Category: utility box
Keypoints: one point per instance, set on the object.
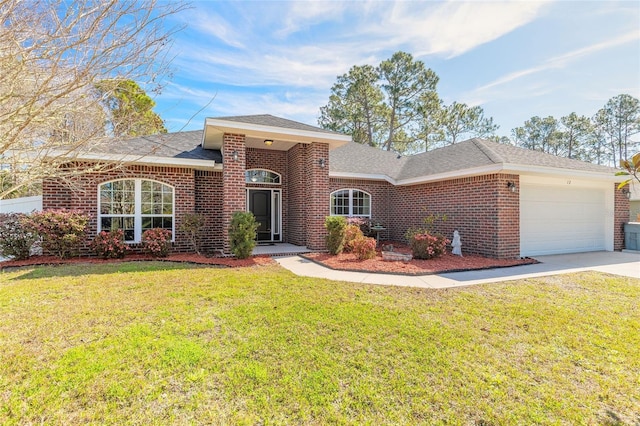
(632, 236)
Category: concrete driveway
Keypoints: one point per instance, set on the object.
(618, 263)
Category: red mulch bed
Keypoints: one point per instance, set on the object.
(446, 263)
(183, 257)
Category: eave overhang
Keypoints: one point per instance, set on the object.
(518, 169)
(283, 138)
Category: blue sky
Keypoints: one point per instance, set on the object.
(515, 59)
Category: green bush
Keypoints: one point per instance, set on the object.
(336, 226)
(192, 225)
(62, 231)
(364, 247)
(15, 239)
(242, 234)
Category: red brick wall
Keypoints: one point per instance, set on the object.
(83, 194)
(481, 208)
(296, 185)
(233, 189)
(208, 202)
(621, 216)
(317, 205)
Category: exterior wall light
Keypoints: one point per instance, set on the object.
(511, 186)
(322, 163)
(626, 192)
(268, 142)
(234, 155)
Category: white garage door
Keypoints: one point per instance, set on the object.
(561, 219)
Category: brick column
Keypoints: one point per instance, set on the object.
(233, 183)
(317, 203)
(620, 217)
(508, 217)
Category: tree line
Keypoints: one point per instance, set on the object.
(395, 106)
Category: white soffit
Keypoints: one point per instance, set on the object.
(214, 130)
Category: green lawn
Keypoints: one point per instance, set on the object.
(162, 343)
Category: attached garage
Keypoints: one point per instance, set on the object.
(564, 216)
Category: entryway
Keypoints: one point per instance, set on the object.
(266, 206)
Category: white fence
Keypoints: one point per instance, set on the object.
(21, 205)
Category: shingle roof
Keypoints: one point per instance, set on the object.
(171, 145)
(465, 155)
(270, 120)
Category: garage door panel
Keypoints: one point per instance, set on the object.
(561, 219)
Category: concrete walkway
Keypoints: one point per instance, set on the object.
(625, 264)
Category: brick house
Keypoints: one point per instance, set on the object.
(505, 201)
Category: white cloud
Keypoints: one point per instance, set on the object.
(212, 24)
(452, 28)
(562, 60)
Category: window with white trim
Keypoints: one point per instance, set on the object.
(135, 205)
(351, 202)
(262, 176)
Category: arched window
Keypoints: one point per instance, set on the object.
(351, 202)
(262, 176)
(135, 205)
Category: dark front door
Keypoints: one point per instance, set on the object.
(260, 206)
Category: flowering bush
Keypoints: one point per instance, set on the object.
(62, 231)
(110, 245)
(157, 242)
(364, 248)
(427, 246)
(15, 239)
(351, 233)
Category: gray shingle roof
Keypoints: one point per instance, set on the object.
(270, 120)
(356, 158)
(172, 145)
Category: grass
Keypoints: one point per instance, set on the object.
(162, 343)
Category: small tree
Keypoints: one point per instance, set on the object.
(192, 224)
(15, 239)
(62, 231)
(242, 234)
(336, 226)
(631, 168)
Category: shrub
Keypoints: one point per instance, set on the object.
(351, 233)
(192, 225)
(62, 231)
(157, 242)
(429, 224)
(110, 245)
(427, 246)
(364, 248)
(335, 226)
(242, 234)
(15, 239)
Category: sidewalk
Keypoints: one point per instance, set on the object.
(625, 264)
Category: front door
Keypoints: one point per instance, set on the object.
(260, 206)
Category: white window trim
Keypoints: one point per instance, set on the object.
(351, 214)
(137, 215)
(263, 183)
